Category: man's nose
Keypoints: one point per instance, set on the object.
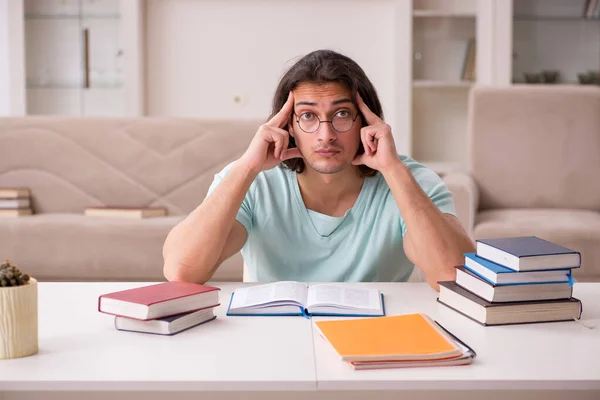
(326, 133)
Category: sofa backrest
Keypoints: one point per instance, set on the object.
(535, 146)
(71, 163)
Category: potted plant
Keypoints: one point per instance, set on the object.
(18, 313)
(590, 77)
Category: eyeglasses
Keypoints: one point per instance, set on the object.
(309, 122)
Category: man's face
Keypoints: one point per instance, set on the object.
(326, 150)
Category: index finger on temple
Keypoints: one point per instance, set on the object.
(281, 118)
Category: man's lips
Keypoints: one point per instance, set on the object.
(327, 151)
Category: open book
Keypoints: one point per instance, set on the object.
(296, 298)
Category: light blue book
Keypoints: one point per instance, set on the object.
(289, 298)
(496, 274)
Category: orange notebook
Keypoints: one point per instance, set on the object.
(398, 337)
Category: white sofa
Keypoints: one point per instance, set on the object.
(73, 163)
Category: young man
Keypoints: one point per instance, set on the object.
(342, 206)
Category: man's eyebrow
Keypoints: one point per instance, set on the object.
(340, 101)
(306, 103)
(334, 103)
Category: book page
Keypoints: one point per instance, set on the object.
(346, 297)
(269, 293)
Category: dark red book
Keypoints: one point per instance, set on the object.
(159, 300)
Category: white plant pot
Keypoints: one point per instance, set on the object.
(19, 320)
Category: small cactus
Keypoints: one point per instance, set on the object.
(11, 276)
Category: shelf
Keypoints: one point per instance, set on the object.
(65, 87)
(442, 84)
(570, 83)
(539, 18)
(29, 16)
(441, 14)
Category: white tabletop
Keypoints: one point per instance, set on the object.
(81, 350)
(547, 356)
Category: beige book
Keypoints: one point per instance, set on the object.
(17, 212)
(14, 193)
(14, 203)
(469, 67)
(125, 212)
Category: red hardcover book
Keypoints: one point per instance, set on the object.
(159, 300)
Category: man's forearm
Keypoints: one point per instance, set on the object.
(436, 245)
(194, 246)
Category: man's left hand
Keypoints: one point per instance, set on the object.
(380, 149)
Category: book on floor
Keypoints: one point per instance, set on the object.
(487, 313)
(499, 275)
(125, 212)
(297, 298)
(159, 300)
(14, 193)
(393, 341)
(527, 253)
(17, 212)
(511, 293)
(166, 325)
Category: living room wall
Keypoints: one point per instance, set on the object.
(224, 58)
(12, 77)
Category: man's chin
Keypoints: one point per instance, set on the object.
(328, 167)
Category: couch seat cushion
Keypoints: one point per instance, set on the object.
(73, 247)
(576, 229)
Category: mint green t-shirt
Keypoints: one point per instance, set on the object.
(286, 241)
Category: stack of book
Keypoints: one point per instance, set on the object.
(164, 308)
(15, 202)
(398, 341)
(514, 280)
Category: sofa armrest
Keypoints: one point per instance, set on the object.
(466, 198)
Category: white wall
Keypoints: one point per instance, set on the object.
(202, 54)
(12, 77)
(4, 94)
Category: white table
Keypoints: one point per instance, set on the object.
(282, 357)
(549, 356)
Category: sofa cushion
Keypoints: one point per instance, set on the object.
(536, 146)
(73, 247)
(576, 229)
(71, 163)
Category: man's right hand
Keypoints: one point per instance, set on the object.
(269, 146)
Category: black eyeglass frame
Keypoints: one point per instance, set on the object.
(320, 122)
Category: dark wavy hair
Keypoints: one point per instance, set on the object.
(325, 66)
